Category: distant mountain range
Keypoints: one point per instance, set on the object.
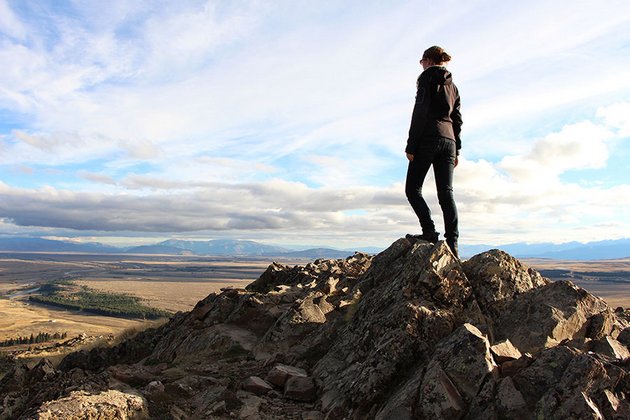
(600, 250)
(217, 247)
(49, 245)
(608, 249)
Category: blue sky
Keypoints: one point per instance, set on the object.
(285, 121)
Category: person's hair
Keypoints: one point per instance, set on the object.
(436, 54)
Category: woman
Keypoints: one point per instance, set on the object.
(434, 140)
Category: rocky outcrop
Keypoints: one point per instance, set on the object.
(109, 404)
(410, 333)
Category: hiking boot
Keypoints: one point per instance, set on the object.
(453, 245)
(429, 237)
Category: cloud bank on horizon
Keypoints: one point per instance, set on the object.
(286, 121)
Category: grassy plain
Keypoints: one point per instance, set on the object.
(165, 282)
(608, 279)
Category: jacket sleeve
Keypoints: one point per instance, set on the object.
(456, 117)
(419, 115)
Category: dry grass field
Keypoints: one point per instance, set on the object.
(171, 295)
(20, 318)
(166, 282)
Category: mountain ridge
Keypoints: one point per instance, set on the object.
(598, 250)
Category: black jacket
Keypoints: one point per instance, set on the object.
(436, 113)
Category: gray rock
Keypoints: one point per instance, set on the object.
(512, 367)
(154, 387)
(546, 316)
(251, 407)
(217, 408)
(456, 373)
(256, 385)
(510, 402)
(300, 388)
(439, 397)
(497, 277)
(280, 373)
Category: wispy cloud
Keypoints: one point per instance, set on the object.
(288, 120)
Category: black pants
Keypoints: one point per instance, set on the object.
(439, 152)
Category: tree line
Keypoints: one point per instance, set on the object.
(41, 337)
(101, 303)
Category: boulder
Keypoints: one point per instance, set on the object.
(256, 385)
(497, 277)
(301, 388)
(547, 315)
(280, 373)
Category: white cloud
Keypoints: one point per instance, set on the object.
(577, 146)
(190, 108)
(10, 24)
(617, 116)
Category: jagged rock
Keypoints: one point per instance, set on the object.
(178, 390)
(439, 396)
(251, 407)
(602, 324)
(154, 387)
(613, 407)
(15, 378)
(402, 335)
(178, 414)
(610, 347)
(256, 385)
(217, 408)
(42, 371)
(280, 373)
(545, 371)
(132, 375)
(512, 367)
(510, 402)
(301, 388)
(455, 374)
(547, 315)
(127, 352)
(104, 405)
(624, 337)
(504, 351)
(497, 277)
(396, 322)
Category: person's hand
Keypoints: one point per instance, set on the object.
(456, 161)
(410, 157)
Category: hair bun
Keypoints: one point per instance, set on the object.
(437, 54)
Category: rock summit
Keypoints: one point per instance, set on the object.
(411, 333)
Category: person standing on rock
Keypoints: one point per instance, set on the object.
(434, 140)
